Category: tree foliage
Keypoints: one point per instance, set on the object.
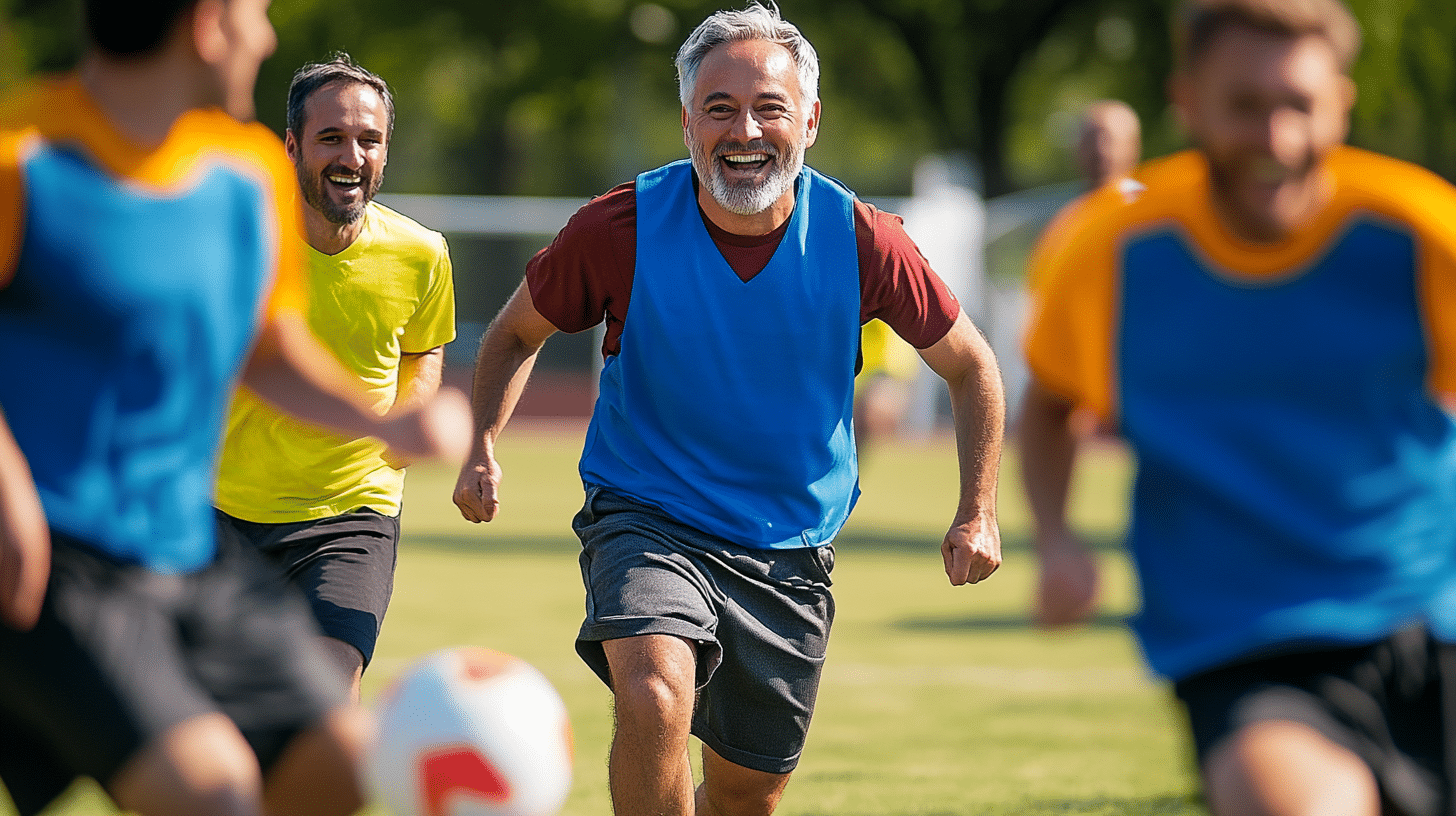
(572, 96)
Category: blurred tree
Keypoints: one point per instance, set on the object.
(569, 97)
(968, 54)
(1406, 75)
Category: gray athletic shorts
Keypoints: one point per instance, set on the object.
(760, 619)
(344, 564)
(122, 654)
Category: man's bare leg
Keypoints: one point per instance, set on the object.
(1278, 768)
(349, 660)
(199, 767)
(729, 789)
(319, 772)
(653, 687)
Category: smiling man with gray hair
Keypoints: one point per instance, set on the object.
(720, 461)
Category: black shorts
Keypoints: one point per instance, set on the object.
(122, 654)
(1390, 702)
(344, 565)
(760, 619)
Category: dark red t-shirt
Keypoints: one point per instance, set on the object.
(586, 272)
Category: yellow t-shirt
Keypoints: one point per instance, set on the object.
(388, 293)
(884, 353)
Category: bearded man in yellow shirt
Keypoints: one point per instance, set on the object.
(325, 506)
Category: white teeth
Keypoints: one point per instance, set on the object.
(747, 159)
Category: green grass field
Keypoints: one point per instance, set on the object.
(935, 700)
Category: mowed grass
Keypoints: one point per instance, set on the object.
(935, 699)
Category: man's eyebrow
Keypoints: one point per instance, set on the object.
(332, 129)
(717, 95)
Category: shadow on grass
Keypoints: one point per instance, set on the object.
(486, 545)
(1164, 805)
(861, 539)
(997, 623)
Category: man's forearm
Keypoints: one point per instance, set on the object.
(24, 537)
(418, 379)
(502, 368)
(978, 404)
(292, 370)
(1048, 451)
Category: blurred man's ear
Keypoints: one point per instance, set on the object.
(204, 22)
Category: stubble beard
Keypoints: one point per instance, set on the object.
(341, 215)
(1228, 176)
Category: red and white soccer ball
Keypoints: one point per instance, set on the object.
(471, 732)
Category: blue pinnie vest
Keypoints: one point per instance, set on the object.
(730, 404)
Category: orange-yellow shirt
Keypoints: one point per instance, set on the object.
(1296, 474)
(132, 280)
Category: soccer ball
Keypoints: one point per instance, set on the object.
(471, 732)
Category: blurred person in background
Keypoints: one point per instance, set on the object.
(149, 256)
(1270, 322)
(883, 387)
(720, 461)
(1108, 149)
(1109, 142)
(381, 299)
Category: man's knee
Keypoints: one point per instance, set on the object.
(199, 767)
(653, 675)
(1279, 768)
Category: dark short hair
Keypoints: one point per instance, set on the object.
(133, 28)
(340, 67)
(1200, 21)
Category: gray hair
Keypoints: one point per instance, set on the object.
(757, 22)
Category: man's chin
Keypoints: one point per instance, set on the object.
(341, 218)
(746, 199)
(344, 215)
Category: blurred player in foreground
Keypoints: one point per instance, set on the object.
(1271, 324)
(148, 241)
(380, 297)
(720, 461)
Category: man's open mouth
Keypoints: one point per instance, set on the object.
(746, 162)
(347, 181)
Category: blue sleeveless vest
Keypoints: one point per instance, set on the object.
(730, 404)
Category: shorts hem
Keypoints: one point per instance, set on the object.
(362, 641)
(615, 629)
(592, 634)
(748, 759)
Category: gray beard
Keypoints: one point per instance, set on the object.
(748, 198)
